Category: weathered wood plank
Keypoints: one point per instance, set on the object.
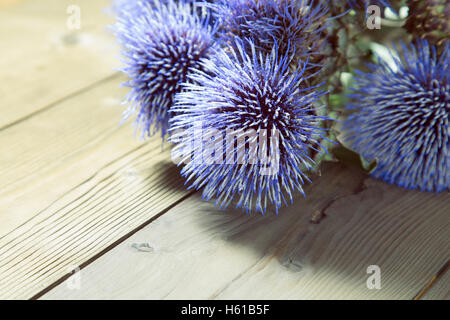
(72, 183)
(42, 61)
(199, 252)
(35, 148)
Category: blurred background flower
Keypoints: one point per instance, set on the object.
(298, 27)
(402, 118)
(430, 20)
(163, 41)
(363, 4)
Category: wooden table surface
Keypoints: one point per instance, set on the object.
(80, 192)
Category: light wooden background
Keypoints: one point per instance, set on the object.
(79, 191)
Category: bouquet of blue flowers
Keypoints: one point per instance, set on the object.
(254, 94)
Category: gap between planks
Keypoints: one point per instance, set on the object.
(48, 52)
(438, 288)
(201, 253)
(110, 247)
(74, 187)
(43, 62)
(55, 103)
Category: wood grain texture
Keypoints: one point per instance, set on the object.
(77, 190)
(439, 287)
(42, 61)
(34, 149)
(319, 248)
(72, 184)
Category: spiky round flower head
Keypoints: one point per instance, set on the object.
(254, 96)
(402, 118)
(163, 42)
(292, 24)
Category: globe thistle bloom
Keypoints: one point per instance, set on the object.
(402, 118)
(163, 41)
(254, 99)
(297, 25)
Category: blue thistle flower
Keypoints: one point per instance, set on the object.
(293, 24)
(128, 6)
(237, 94)
(402, 118)
(163, 42)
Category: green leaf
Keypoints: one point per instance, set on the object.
(353, 158)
